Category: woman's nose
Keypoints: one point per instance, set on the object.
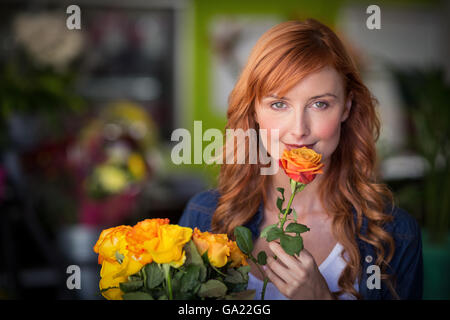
(300, 125)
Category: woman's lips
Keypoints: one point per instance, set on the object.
(296, 146)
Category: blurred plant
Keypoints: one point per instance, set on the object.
(112, 159)
(426, 96)
(114, 176)
(47, 40)
(36, 70)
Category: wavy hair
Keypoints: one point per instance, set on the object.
(284, 55)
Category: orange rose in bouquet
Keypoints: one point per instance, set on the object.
(219, 249)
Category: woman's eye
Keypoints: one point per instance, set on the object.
(278, 105)
(320, 104)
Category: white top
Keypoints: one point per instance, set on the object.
(331, 269)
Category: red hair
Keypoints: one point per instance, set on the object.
(284, 55)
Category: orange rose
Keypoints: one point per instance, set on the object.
(215, 244)
(237, 257)
(302, 164)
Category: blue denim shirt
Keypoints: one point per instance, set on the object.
(406, 264)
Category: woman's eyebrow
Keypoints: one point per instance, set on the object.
(275, 97)
(312, 98)
(323, 95)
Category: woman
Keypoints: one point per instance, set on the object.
(300, 81)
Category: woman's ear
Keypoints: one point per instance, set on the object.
(347, 107)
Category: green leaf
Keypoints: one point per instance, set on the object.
(296, 228)
(280, 203)
(262, 258)
(234, 276)
(131, 286)
(138, 295)
(197, 287)
(190, 278)
(238, 276)
(244, 270)
(154, 276)
(184, 296)
(193, 257)
(176, 280)
(242, 295)
(206, 259)
(263, 233)
(135, 277)
(157, 292)
(244, 239)
(291, 244)
(212, 289)
(281, 190)
(274, 234)
(192, 254)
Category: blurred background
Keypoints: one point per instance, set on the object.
(86, 117)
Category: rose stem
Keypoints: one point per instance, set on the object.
(166, 268)
(283, 220)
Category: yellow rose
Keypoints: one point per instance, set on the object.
(117, 262)
(113, 273)
(128, 267)
(215, 244)
(237, 257)
(112, 284)
(112, 240)
(168, 246)
(143, 231)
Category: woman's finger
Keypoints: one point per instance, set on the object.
(274, 278)
(306, 258)
(284, 273)
(290, 261)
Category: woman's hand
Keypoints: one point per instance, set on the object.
(297, 277)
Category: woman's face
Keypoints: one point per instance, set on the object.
(310, 114)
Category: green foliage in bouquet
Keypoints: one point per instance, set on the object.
(196, 279)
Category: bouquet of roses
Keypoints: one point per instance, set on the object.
(157, 260)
